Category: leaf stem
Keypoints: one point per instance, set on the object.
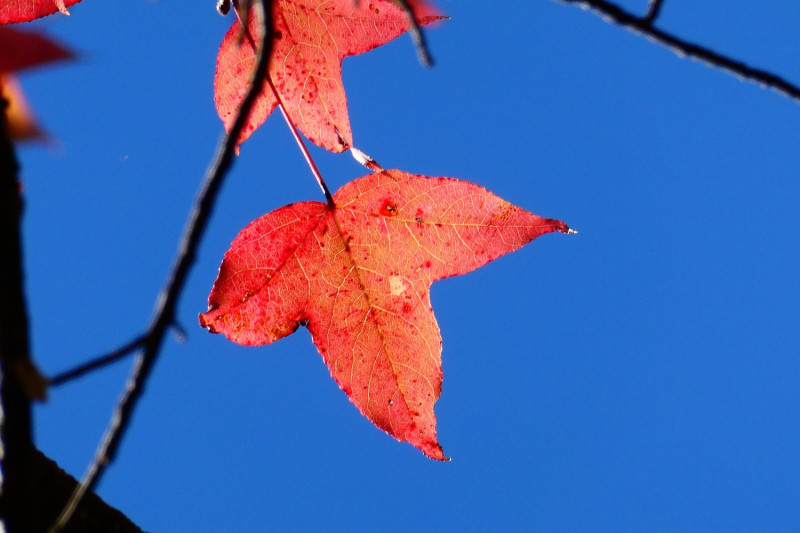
(309, 160)
(164, 315)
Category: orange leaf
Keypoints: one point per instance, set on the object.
(358, 275)
(20, 121)
(310, 39)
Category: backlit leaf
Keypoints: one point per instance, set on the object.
(310, 39)
(358, 276)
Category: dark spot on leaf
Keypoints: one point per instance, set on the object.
(388, 208)
(428, 263)
(277, 34)
(406, 308)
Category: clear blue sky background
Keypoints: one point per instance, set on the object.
(640, 376)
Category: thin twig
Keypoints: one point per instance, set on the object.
(653, 10)
(164, 315)
(618, 16)
(417, 35)
(98, 362)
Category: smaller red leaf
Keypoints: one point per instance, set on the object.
(358, 274)
(310, 38)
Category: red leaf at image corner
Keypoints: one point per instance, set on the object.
(311, 38)
(20, 49)
(27, 10)
(358, 276)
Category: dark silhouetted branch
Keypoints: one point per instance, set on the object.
(653, 10)
(164, 316)
(16, 505)
(52, 486)
(642, 25)
(98, 362)
(417, 36)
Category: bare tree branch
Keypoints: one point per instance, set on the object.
(98, 362)
(643, 26)
(52, 486)
(417, 36)
(164, 316)
(16, 504)
(653, 10)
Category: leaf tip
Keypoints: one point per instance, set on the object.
(434, 451)
(561, 227)
(206, 321)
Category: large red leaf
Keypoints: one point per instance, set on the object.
(358, 275)
(311, 37)
(27, 10)
(19, 49)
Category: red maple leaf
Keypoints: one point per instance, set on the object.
(310, 39)
(358, 275)
(27, 10)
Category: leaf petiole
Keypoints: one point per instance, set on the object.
(311, 164)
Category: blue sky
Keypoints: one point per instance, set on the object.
(642, 375)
